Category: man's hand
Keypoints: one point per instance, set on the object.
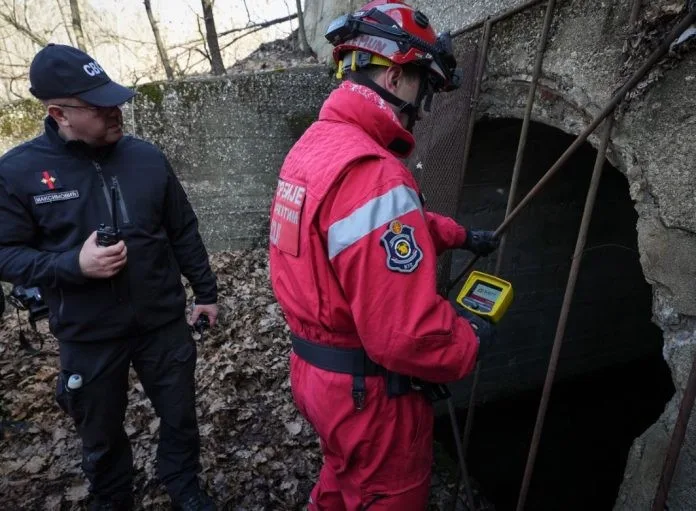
(481, 243)
(210, 310)
(101, 262)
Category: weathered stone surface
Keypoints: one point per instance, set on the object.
(227, 139)
(18, 122)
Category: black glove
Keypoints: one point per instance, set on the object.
(481, 243)
(484, 329)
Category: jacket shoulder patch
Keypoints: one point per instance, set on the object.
(403, 253)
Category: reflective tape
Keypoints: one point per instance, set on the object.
(372, 215)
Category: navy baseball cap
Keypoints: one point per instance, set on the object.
(60, 71)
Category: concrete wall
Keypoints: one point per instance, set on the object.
(590, 54)
(227, 138)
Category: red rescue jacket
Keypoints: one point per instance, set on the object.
(353, 254)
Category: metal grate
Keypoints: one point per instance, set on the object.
(437, 161)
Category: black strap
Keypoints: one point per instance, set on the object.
(338, 360)
(353, 361)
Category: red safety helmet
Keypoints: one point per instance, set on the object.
(386, 32)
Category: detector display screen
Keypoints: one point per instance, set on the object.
(486, 292)
(482, 296)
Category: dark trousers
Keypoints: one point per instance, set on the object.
(165, 362)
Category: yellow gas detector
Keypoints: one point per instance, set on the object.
(486, 295)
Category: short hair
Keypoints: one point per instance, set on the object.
(411, 71)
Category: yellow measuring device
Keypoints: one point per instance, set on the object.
(486, 295)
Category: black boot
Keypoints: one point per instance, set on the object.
(197, 500)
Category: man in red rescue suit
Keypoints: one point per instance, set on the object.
(353, 258)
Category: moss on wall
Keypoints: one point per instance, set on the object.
(152, 92)
(21, 120)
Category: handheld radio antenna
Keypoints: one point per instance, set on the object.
(114, 215)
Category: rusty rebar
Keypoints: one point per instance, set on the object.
(460, 454)
(675, 443)
(476, 92)
(615, 100)
(498, 17)
(565, 308)
(522, 144)
(480, 68)
(467, 432)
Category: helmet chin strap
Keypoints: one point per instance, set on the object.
(403, 107)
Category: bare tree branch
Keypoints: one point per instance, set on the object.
(158, 40)
(77, 25)
(304, 45)
(263, 24)
(246, 7)
(218, 68)
(65, 25)
(9, 14)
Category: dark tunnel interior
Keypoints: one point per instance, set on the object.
(612, 382)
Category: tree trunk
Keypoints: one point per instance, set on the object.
(304, 45)
(218, 68)
(158, 39)
(77, 25)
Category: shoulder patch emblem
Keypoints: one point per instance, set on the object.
(403, 253)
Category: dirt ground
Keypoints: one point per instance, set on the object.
(257, 451)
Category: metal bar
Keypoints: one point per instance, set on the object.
(514, 180)
(460, 454)
(615, 100)
(675, 443)
(470, 413)
(467, 433)
(480, 68)
(565, 309)
(635, 12)
(498, 17)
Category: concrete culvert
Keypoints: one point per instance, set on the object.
(612, 382)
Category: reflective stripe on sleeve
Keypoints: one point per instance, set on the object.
(372, 215)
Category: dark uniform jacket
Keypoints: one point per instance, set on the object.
(54, 194)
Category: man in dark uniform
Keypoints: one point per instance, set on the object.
(114, 300)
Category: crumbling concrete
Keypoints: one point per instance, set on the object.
(591, 51)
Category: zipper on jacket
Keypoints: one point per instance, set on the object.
(105, 189)
(121, 201)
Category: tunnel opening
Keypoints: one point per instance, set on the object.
(612, 381)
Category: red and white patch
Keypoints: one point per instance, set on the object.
(286, 216)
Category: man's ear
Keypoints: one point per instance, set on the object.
(58, 114)
(393, 77)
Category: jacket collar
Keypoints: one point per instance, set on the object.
(358, 105)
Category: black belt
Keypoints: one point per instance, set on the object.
(337, 360)
(353, 361)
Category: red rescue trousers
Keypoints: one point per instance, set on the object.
(377, 458)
